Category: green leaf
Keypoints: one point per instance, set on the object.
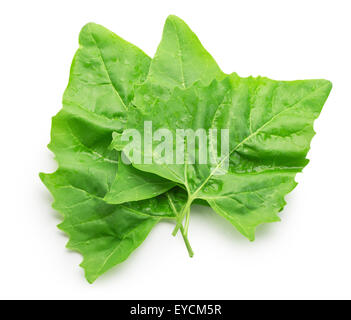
(114, 86)
(95, 103)
(133, 185)
(103, 74)
(180, 60)
(105, 234)
(81, 148)
(271, 127)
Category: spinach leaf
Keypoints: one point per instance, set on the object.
(270, 129)
(106, 234)
(180, 61)
(95, 103)
(110, 207)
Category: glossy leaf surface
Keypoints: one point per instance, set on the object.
(109, 207)
(180, 61)
(95, 103)
(271, 127)
(105, 234)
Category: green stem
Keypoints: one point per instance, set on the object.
(185, 211)
(176, 228)
(187, 220)
(187, 243)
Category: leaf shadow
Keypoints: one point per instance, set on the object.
(224, 227)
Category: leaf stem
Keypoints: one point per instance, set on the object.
(186, 241)
(187, 220)
(184, 234)
(185, 211)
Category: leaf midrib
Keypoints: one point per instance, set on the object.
(106, 69)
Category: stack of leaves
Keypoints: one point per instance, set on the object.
(110, 207)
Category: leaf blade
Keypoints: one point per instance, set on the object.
(104, 234)
(291, 112)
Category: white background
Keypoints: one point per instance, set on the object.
(306, 256)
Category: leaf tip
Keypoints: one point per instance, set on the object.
(329, 85)
(325, 84)
(89, 276)
(89, 25)
(251, 236)
(86, 32)
(90, 279)
(173, 21)
(174, 18)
